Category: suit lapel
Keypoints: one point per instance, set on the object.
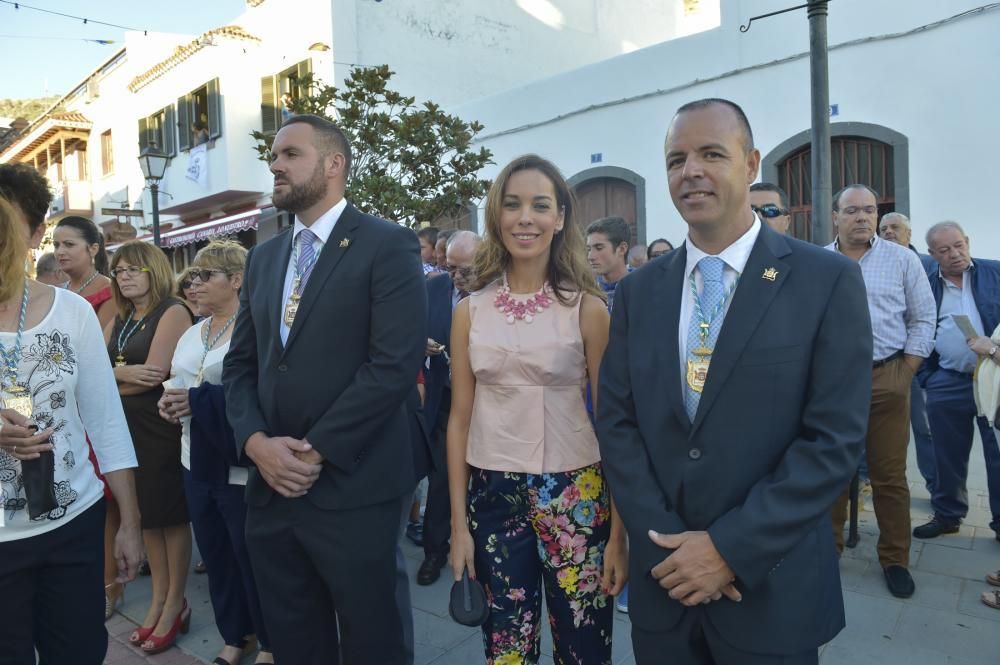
(751, 300)
(668, 313)
(337, 245)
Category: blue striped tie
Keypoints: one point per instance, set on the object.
(307, 257)
(712, 294)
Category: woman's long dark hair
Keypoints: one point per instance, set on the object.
(92, 236)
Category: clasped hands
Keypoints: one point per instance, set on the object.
(694, 573)
(290, 466)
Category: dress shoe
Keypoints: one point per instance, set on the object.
(415, 532)
(430, 569)
(935, 528)
(899, 581)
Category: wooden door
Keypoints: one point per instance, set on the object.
(606, 197)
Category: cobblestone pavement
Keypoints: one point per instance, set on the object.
(943, 624)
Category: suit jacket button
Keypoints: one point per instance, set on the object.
(694, 453)
(282, 368)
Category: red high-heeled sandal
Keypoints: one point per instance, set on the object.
(140, 635)
(182, 623)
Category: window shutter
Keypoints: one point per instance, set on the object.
(183, 124)
(301, 70)
(169, 146)
(269, 115)
(214, 109)
(143, 133)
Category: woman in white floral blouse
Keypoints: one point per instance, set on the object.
(56, 384)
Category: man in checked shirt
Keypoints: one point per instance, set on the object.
(903, 320)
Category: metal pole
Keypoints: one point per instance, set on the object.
(154, 190)
(822, 182)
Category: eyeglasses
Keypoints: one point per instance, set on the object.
(203, 274)
(463, 271)
(853, 210)
(657, 254)
(132, 271)
(769, 211)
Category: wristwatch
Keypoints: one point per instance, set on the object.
(993, 351)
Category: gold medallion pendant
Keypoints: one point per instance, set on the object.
(120, 361)
(291, 309)
(697, 374)
(18, 398)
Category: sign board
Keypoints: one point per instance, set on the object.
(121, 212)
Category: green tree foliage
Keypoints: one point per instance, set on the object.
(25, 108)
(412, 163)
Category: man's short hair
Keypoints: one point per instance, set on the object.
(331, 137)
(741, 116)
(428, 233)
(941, 226)
(615, 229)
(770, 187)
(889, 216)
(47, 264)
(28, 189)
(857, 185)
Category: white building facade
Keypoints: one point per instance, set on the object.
(913, 89)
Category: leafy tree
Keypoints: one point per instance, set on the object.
(25, 108)
(411, 163)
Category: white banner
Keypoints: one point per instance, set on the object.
(197, 169)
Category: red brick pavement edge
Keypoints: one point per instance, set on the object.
(120, 652)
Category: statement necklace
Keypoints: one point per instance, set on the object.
(522, 310)
(208, 345)
(123, 338)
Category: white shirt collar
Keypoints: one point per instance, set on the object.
(735, 256)
(323, 226)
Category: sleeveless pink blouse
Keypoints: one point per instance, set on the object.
(528, 414)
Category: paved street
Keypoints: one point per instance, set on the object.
(943, 624)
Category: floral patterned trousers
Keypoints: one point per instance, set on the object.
(543, 531)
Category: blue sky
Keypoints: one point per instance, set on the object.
(34, 65)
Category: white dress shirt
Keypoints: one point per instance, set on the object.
(953, 350)
(735, 257)
(322, 227)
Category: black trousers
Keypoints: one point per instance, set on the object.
(319, 569)
(695, 642)
(437, 514)
(52, 586)
(218, 518)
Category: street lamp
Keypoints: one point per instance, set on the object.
(154, 164)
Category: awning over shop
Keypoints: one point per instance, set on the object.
(187, 235)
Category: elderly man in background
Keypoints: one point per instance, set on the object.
(967, 294)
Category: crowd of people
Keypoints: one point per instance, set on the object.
(281, 404)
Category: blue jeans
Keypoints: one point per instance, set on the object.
(922, 440)
(951, 412)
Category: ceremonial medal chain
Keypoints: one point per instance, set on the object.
(209, 345)
(705, 324)
(292, 306)
(124, 336)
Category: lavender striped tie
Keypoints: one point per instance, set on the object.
(307, 257)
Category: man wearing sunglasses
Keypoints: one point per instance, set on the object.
(771, 204)
(443, 294)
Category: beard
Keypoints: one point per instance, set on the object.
(304, 196)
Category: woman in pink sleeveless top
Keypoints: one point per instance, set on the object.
(531, 511)
(78, 246)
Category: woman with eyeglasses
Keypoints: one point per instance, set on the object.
(214, 478)
(141, 342)
(185, 291)
(658, 248)
(78, 246)
(55, 385)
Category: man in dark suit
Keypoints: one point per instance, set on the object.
(725, 449)
(326, 348)
(443, 294)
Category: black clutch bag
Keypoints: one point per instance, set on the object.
(468, 602)
(39, 484)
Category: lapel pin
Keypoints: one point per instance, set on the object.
(345, 242)
(770, 274)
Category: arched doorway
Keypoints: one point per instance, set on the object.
(860, 153)
(608, 191)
